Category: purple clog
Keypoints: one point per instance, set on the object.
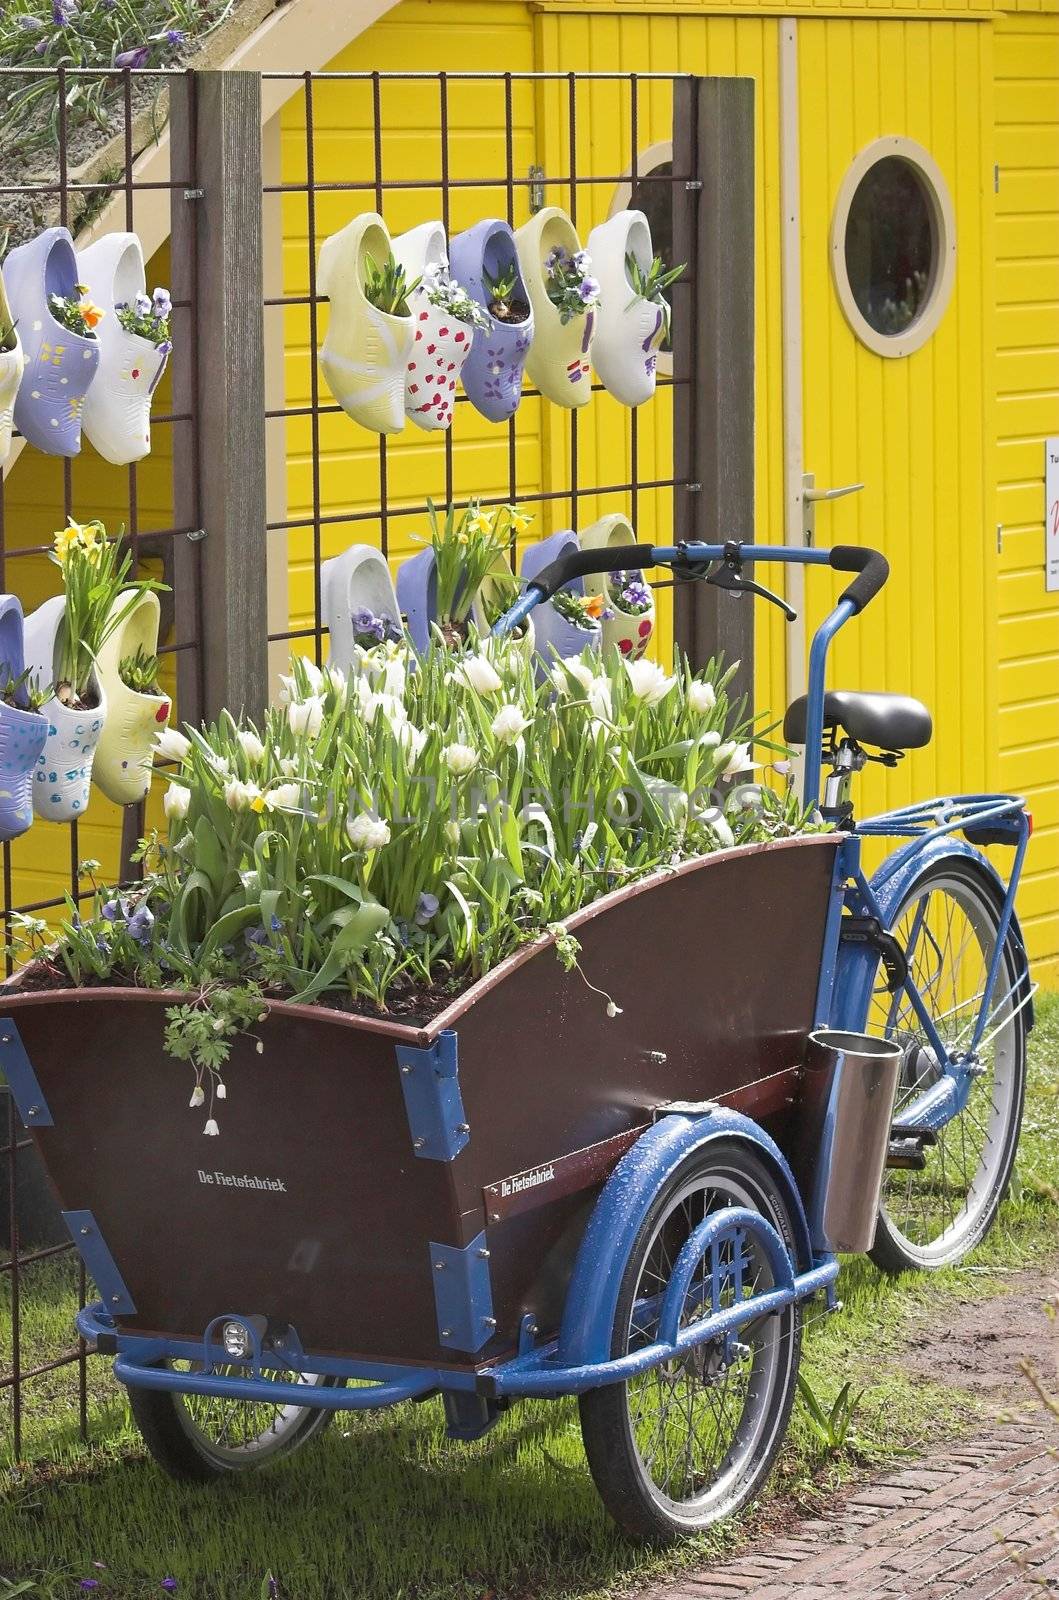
(22, 732)
(492, 374)
(555, 636)
(60, 364)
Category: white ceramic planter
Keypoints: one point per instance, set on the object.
(630, 635)
(22, 732)
(125, 753)
(64, 769)
(629, 329)
(357, 580)
(12, 366)
(365, 351)
(442, 344)
(117, 410)
(558, 358)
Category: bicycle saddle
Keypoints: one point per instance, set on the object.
(890, 721)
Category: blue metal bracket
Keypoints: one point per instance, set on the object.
(432, 1099)
(101, 1266)
(463, 1294)
(21, 1078)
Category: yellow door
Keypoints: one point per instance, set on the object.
(893, 123)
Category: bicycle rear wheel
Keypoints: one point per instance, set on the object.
(947, 926)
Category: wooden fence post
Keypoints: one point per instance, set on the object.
(220, 575)
(713, 433)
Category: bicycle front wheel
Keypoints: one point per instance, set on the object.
(947, 926)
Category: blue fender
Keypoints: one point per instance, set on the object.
(592, 1298)
(857, 964)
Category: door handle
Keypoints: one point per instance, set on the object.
(811, 495)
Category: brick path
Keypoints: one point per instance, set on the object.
(976, 1520)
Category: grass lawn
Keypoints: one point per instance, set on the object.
(383, 1507)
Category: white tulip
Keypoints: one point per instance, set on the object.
(251, 746)
(307, 716)
(509, 724)
(740, 760)
(239, 796)
(367, 832)
(175, 801)
(284, 797)
(648, 682)
(702, 698)
(479, 674)
(171, 745)
(460, 759)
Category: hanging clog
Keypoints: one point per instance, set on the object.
(117, 410)
(22, 732)
(556, 636)
(442, 341)
(492, 373)
(60, 364)
(357, 584)
(365, 350)
(558, 358)
(64, 768)
(630, 329)
(12, 366)
(125, 753)
(630, 632)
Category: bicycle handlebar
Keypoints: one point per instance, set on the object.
(871, 567)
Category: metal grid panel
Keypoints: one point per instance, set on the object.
(22, 565)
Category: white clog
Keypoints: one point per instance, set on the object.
(356, 582)
(630, 633)
(125, 753)
(12, 366)
(630, 329)
(117, 410)
(558, 358)
(365, 351)
(442, 343)
(64, 767)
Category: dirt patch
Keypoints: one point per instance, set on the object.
(977, 1344)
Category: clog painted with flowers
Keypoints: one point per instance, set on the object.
(492, 373)
(442, 341)
(125, 753)
(556, 636)
(627, 629)
(358, 603)
(60, 364)
(117, 410)
(558, 359)
(64, 768)
(366, 350)
(12, 366)
(630, 329)
(22, 732)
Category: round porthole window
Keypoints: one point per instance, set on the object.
(651, 192)
(893, 246)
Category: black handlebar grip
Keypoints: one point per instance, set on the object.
(581, 563)
(871, 567)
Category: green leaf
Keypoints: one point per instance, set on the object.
(358, 933)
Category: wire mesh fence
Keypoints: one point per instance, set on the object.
(454, 147)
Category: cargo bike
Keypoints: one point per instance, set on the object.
(516, 1199)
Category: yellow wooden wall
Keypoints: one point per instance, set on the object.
(1026, 55)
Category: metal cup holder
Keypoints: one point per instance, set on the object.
(852, 1077)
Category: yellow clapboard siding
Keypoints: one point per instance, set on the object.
(1027, 375)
